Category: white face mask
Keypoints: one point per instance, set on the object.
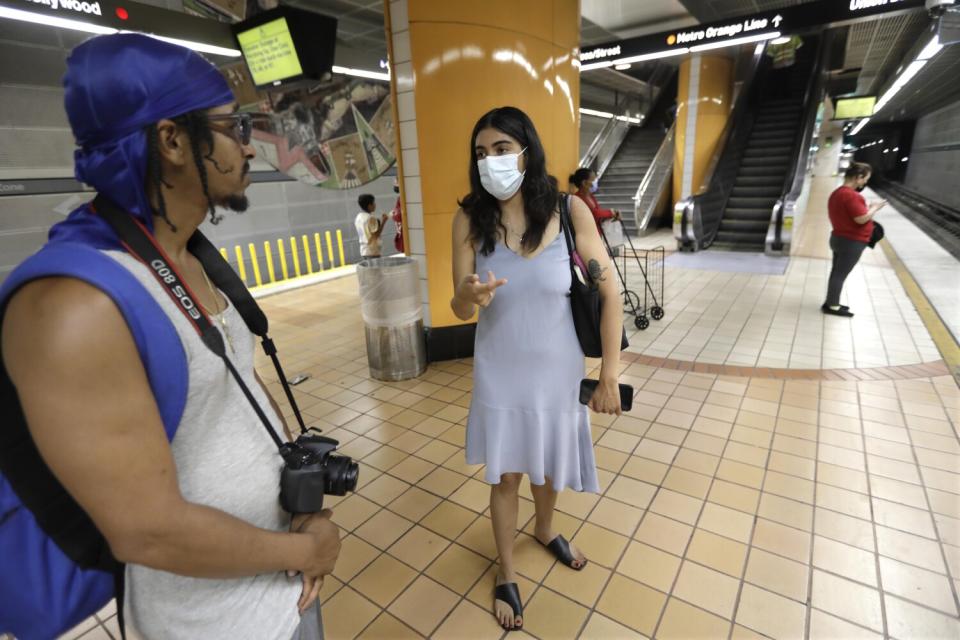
(500, 175)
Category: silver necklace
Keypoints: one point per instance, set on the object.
(522, 236)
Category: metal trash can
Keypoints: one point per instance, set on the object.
(393, 317)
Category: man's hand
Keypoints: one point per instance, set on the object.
(472, 290)
(326, 538)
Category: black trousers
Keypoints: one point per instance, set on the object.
(846, 255)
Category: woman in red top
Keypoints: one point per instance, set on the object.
(852, 222)
(585, 181)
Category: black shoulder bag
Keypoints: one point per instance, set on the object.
(584, 292)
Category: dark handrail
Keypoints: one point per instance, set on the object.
(714, 187)
(796, 174)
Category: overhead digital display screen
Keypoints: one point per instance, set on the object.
(270, 52)
(850, 108)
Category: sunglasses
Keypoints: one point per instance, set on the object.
(241, 124)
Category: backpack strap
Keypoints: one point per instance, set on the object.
(164, 360)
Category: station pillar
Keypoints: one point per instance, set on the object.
(451, 62)
(704, 104)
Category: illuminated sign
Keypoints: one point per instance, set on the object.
(93, 8)
(593, 54)
(134, 16)
(789, 20)
(270, 52)
(850, 108)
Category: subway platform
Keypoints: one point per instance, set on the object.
(783, 474)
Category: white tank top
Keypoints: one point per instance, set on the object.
(225, 460)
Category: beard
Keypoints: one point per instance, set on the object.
(236, 202)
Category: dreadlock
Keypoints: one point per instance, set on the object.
(198, 131)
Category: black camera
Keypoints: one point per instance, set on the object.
(310, 470)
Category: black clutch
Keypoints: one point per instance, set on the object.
(877, 234)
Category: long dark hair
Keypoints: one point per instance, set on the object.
(539, 190)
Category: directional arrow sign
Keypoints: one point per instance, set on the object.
(777, 20)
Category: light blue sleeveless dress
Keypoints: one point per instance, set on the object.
(525, 415)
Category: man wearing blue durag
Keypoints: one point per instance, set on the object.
(209, 552)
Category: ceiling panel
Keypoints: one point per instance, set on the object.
(713, 10)
(877, 47)
(934, 87)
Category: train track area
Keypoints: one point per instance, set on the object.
(940, 222)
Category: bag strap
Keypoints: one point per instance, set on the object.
(142, 246)
(565, 224)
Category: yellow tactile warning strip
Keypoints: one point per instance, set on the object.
(931, 319)
(900, 372)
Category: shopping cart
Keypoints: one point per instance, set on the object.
(650, 262)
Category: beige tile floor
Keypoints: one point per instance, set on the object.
(757, 320)
(733, 507)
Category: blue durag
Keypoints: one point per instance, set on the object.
(115, 86)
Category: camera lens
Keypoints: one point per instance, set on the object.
(341, 474)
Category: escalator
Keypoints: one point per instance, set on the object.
(759, 181)
(758, 170)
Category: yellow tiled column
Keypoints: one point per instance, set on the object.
(451, 63)
(704, 101)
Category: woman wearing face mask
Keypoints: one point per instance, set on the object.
(525, 417)
(586, 183)
(852, 222)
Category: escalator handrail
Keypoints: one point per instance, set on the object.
(735, 121)
(796, 174)
(600, 140)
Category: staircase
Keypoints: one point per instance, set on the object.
(760, 179)
(767, 156)
(623, 176)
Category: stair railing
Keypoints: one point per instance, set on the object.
(780, 231)
(696, 218)
(655, 181)
(608, 140)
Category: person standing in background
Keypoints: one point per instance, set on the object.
(369, 227)
(852, 222)
(586, 183)
(397, 216)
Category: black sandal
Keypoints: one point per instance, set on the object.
(561, 549)
(509, 593)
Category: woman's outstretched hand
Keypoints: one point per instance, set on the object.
(472, 290)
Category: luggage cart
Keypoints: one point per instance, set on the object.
(650, 262)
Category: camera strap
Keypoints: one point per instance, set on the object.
(140, 243)
(227, 280)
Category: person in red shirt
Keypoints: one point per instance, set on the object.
(852, 222)
(397, 216)
(585, 182)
